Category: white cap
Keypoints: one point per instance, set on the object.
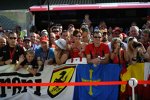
(44, 32)
(61, 43)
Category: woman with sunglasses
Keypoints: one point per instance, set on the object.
(77, 48)
(97, 52)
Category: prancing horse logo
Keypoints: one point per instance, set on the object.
(60, 75)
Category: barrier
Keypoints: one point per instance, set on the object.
(13, 84)
(72, 83)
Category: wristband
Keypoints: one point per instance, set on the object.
(27, 68)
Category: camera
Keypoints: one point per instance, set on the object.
(121, 44)
(136, 44)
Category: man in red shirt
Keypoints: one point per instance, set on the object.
(97, 52)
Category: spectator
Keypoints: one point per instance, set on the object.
(52, 40)
(97, 50)
(61, 55)
(145, 38)
(105, 37)
(102, 27)
(116, 34)
(28, 62)
(118, 53)
(56, 31)
(134, 32)
(85, 35)
(65, 35)
(88, 22)
(11, 52)
(77, 48)
(136, 51)
(44, 53)
(34, 43)
(20, 41)
(27, 44)
(44, 33)
(71, 28)
(2, 42)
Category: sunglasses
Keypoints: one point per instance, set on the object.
(97, 37)
(13, 38)
(78, 36)
(55, 31)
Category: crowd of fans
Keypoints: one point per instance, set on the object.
(100, 45)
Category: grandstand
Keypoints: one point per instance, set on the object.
(120, 14)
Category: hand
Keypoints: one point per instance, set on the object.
(96, 61)
(21, 59)
(40, 63)
(8, 61)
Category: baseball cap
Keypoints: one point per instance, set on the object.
(117, 29)
(44, 39)
(44, 32)
(61, 43)
(26, 39)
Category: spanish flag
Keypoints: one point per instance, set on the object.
(140, 71)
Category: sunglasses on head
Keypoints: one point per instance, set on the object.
(13, 38)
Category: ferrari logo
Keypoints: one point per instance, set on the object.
(63, 74)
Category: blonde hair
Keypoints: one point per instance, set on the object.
(31, 52)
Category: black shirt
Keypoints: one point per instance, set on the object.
(7, 53)
(33, 63)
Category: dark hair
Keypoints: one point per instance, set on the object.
(10, 33)
(97, 32)
(76, 31)
(146, 31)
(84, 29)
(64, 31)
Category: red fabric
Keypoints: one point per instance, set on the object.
(116, 59)
(97, 51)
(146, 92)
(75, 53)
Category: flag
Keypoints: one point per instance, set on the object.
(140, 71)
(90, 73)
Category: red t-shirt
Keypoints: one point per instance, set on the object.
(97, 51)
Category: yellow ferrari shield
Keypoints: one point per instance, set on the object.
(63, 74)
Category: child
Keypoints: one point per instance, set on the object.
(28, 62)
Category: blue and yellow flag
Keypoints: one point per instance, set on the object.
(89, 73)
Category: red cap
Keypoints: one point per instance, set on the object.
(117, 29)
(44, 39)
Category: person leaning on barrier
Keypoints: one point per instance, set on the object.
(117, 55)
(61, 54)
(44, 54)
(77, 49)
(97, 52)
(136, 51)
(28, 62)
(11, 52)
